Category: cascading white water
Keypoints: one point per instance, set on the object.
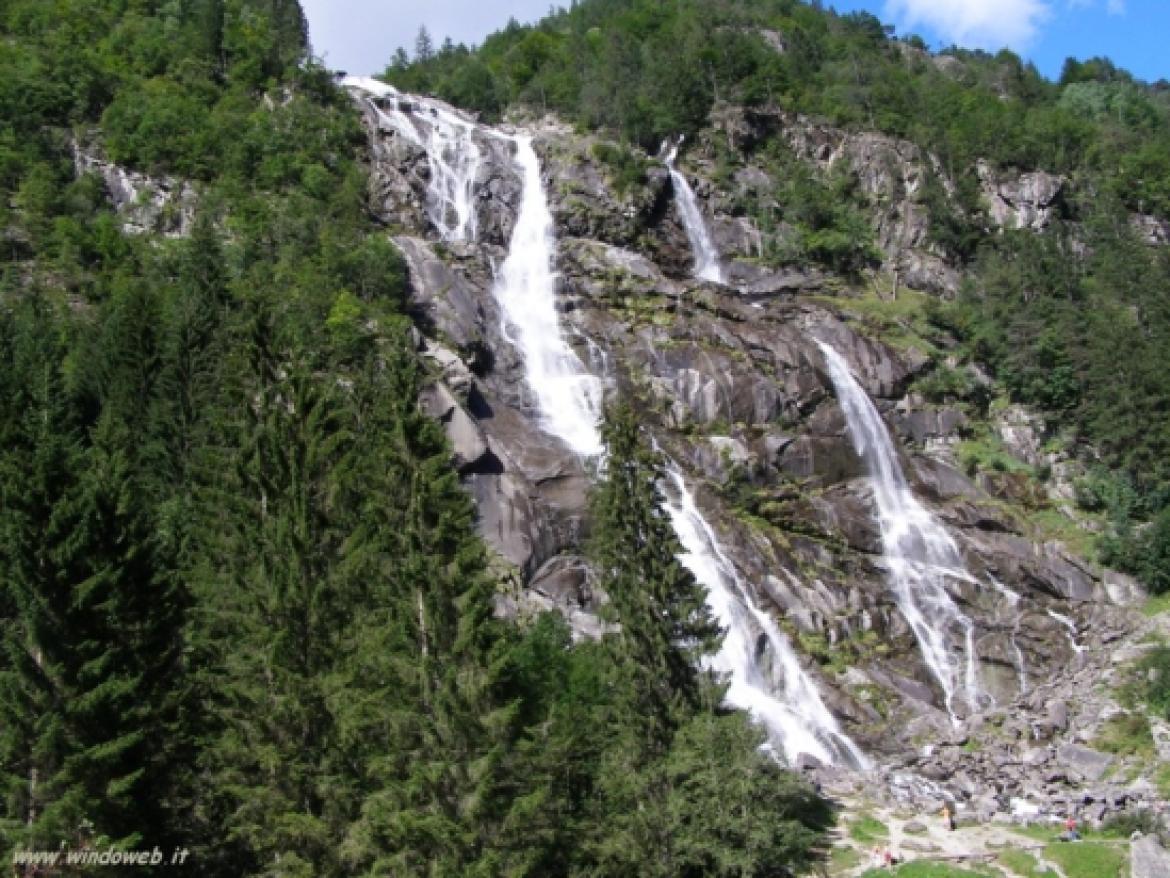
(918, 552)
(1071, 626)
(706, 256)
(1014, 599)
(453, 156)
(569, 397)
(765, 677)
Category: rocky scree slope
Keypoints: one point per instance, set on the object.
(735, 388)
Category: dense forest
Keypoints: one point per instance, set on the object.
(1074, 322)
(244, 609)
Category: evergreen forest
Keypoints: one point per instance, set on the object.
(244, 610)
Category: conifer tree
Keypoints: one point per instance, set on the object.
(413, 694)
(665, 625)
(91, 694)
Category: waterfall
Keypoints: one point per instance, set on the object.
(1014, 599)
(1068, 623)
(453, 156)
(919, 554)
(706, 256)
(569, 397)
(781, 695)
(764, 674)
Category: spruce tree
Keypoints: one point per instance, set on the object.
(90, 697)
(665, 626)
(413, 693)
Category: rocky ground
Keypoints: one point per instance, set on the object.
(985, 848)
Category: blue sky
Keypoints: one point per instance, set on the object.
(360, 35)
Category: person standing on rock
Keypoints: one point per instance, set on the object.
(948, 815)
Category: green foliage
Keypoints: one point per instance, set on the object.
(666, 626)
(627, 170)
(1127, 734)
(1156, 667)
(866, 828)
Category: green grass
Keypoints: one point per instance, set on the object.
(1039, 831)
(1158, 604)
(1052, 524)
(843, 859)
(1162, 780)
(1024, 864)
(927, 869)
(1127, 735)
(901, 323)
(1088, 860)
(988, 453)
(866, 828)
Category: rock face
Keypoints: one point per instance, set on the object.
(1021, 201)
(164, 205)
(733, 386)
(891, 175)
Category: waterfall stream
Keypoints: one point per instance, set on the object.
(919, 554)
(1014, 599)
(568, 396)
(453, 156)
(1068, 624)
(764, 674)
(706, 256)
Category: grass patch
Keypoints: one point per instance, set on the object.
(866, 828)
(1024, 864)
(1039, 831)
(1127, 734)
(1162, 780)
(1052, 524)
(987, 453)
(1157, 604)
(1088, 860)
(902, 323)
(843, 859)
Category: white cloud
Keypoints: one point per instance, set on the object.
(984, 24)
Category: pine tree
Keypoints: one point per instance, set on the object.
(413, 695)
(424, 47)
(91, 696)
(665, 625)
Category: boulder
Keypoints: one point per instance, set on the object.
(1148, 859)
(1089, 764)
